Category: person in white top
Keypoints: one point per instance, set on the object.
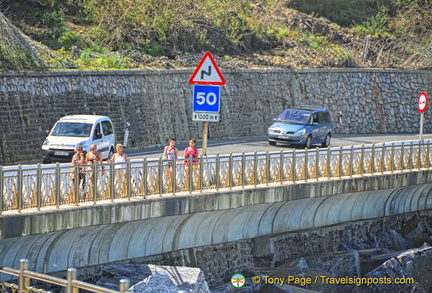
(119, 159)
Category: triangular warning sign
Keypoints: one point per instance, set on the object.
(207, 72)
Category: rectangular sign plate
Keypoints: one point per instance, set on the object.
(205, 116)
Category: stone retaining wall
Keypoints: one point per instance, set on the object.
(158, 103)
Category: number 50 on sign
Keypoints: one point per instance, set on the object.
(206, 98)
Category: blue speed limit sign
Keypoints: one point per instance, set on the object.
(206, 98)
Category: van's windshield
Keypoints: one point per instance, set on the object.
(72, 129)
(294, 117)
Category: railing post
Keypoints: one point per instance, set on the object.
(217, 171)
(190, 174)
(95, 180)
(294, 166)
(361, 167)
(201, 172)
(23, 282)
(340, 162)
(373, 159)
(1, 190)
(71, 276)
(230, 170)
(383, 159)
(174, 176)
(411, 156)
(306, 165)
(39, 187)
(128, 179)
(124, 285)
(144, 179)
(112, 180)
(392, 167)
(328, 162)
(281, 168)
(317, 164)
(255, 169)
(243, 169)
(267, 168)
(419, 156)
(57, 187)
(19, 187)
(76, 180)
(351, 161)
(161, 176)
(427, 158)
(402, 156)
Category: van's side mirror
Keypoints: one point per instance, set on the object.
(98, 135)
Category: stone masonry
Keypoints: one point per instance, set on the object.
(158, 103)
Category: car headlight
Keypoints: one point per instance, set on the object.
(301, 132)
(45, 144)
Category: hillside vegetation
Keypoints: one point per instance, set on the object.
(130, 34)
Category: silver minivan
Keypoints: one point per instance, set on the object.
(303, 125)
(74, 130)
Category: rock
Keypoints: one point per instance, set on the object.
(410, 225)
(157, 282)
(414, 263)
(144, 277)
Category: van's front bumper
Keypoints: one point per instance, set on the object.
(288, 139)
(61, 156)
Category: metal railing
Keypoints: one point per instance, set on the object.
(22, 284)
(37, 186)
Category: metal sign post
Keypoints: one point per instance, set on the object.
(206, 99)
(422, 105)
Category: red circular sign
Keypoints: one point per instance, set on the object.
(422, 102)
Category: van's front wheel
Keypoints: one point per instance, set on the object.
(308, 142)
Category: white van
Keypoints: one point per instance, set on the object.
(74, 130)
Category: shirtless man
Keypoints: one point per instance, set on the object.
(93, 157)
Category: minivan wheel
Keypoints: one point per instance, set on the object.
(308, 142)
(326, 141)
(272, 142)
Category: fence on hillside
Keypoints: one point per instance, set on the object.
(37, 186)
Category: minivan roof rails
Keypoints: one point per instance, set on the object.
(311, 107)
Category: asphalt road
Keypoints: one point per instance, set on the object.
(260, 144)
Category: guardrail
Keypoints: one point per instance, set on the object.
(37, 186)
(71, 285)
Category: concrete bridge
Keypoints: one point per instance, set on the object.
(226, 230)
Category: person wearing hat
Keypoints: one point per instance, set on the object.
(78, 159)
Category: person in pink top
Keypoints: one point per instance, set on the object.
(190, 152)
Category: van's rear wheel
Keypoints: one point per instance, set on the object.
(326, 141)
